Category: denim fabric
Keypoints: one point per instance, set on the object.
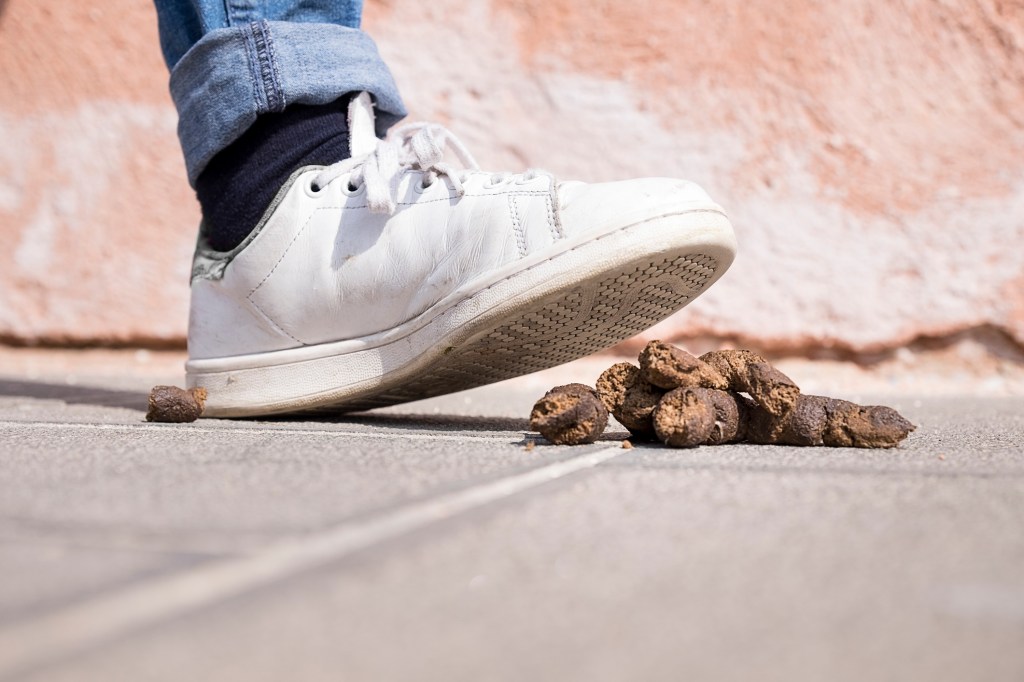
(232, 60)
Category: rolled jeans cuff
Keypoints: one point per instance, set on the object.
(232, 75)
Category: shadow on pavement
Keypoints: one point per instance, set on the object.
(76, 395)
(101, 397)
(427, 422)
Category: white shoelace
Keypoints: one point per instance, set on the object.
(415, 146)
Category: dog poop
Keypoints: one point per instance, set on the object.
(175, 405)
(684, 417)
(569, 415)
(629, 398)
(732, 415)
(817, 420)
(687, 417)
(668, 367)
(747, 372)
(726, 396)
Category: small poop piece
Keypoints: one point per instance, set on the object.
(817, 420)
(569, 415)
(668, 367)
(629, 398)
(864, 426)
(748, 372)
(685, 417)
(176, 405)
(732, 415)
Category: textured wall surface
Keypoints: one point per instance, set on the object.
(871, 154)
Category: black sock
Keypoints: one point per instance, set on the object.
(239, 183)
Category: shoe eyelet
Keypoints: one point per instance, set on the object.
(312, 190)
(421, 187)
(351, 191)
(491, 184)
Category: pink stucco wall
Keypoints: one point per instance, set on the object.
(870, 153)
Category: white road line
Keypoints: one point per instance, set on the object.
(53, 636)
(182, 429)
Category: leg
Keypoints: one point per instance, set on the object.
(184, 22)
(231, 63)
(257, 86)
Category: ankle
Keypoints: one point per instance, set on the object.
(238, 184)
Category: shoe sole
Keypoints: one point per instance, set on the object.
(577, 302)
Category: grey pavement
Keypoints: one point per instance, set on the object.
(430, 542)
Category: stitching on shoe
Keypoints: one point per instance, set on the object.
(556, 233)
(517, 225)
(448, 198)
(278, 327)
(556, 213)
(284, 253)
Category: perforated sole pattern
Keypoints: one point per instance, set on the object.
(557, 329)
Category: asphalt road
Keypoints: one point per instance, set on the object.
(429, 542)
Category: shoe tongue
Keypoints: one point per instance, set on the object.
(362, 134)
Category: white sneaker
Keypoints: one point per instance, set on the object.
(392, 276)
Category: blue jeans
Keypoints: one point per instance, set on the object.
(232, 60)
